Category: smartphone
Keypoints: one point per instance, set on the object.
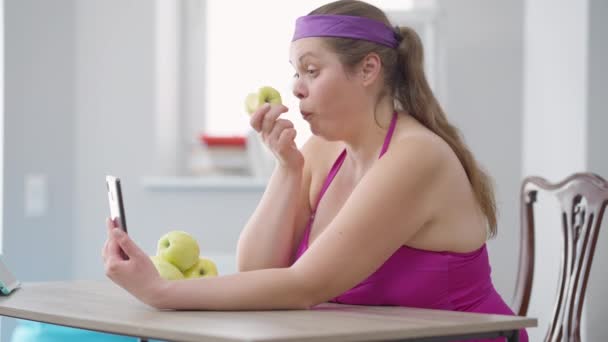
(117, 208)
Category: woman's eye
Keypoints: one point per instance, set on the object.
(310, 72)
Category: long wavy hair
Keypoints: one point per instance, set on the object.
(406, 82)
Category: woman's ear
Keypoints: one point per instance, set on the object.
(370, 68)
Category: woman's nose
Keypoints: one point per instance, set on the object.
(299, 90)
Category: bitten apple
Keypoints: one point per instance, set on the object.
(266, 94)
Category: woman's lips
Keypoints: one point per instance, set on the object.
(305, 115)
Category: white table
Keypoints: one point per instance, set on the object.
(103, 306)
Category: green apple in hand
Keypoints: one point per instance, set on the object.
(166, 269)
(178, 248)
(253, 101)
(203, 268)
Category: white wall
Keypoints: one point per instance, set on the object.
(596, 305)
(555, 105)
(39, 121)
(1, 119)
(115, 133)
(484, 71)
(1, 129)
(565, 117)
(38, 137)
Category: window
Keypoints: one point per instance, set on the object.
(248, 47)
(226, 49)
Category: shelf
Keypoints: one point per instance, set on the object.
(204, 183)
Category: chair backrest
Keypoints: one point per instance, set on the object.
(583, 197)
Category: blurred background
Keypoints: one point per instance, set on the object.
(138, 89)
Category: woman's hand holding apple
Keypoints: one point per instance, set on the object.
(278, 135)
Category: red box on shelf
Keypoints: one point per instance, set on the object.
(219, 154)
(223, 141)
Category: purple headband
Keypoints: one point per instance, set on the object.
(346, 26)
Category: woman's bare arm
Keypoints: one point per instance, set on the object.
(384, 211)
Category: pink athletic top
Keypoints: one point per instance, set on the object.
(420, 278)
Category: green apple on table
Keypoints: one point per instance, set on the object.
(178, 248)
(266, 94)
(177, 257)
(205, 267)
(166, 269)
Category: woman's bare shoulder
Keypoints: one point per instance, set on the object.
(426, 157)
(318, 152)
(416, 139)
(453, 208)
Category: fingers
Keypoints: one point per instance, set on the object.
(270, 119)
(127, 245)
(106, 245)
(258, 116)
(287, 139)
(112, 267)
(264, 118)
(119, 252)
(104, 250)
(112, 258)
(110, 224)
(280, 126)
(112, 248)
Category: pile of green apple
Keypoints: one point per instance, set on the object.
(178, 257)
(253, 101)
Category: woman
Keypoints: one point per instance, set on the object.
(384, 205)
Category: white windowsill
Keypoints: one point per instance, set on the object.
(204, 183)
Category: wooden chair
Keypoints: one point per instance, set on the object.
(583, 198)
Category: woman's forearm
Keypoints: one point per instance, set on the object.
(266, 289)
(267, 239)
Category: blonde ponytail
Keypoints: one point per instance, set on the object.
(415, 96)
(406, 81)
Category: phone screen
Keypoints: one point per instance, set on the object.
(117, 209)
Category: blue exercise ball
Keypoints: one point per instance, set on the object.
(29, 331)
